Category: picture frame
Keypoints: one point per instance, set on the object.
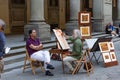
(61, 39)
(111, 46)
(85, 31)
(84, 18)
(106, 57)
(113, 56)
(104, 47)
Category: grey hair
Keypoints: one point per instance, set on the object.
(2, 23)
(77, 33)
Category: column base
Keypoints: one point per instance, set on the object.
(99, 25)
(70, 26)
(43, 31)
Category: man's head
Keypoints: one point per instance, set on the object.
(76, 33)
(32, 33)
(2, 25)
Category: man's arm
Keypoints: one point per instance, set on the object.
(39, 47)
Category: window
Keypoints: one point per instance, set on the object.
(18, 1)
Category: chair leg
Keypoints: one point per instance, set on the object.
(79, 68)
(76, 68)
(86, 68)
(92, 67)
(32, 67)
(24, 67)
(41, 67)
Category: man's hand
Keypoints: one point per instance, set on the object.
(40, 46)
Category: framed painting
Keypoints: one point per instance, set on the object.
(61, 39)
(111, 46)
(106, 57)
(113, 56)
(104, 47)
(84, 18)
(85, 31)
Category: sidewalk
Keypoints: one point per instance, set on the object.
(100, 73)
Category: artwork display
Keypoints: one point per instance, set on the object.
(84, 17)
(106, 57)
(104, 47)
(85, 31)
(107, 49)
(61, 39)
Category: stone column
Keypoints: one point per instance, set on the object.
(37, 21)
(74, 9)
(102, 14)
(117, 21)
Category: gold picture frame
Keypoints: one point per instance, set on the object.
(104, 47)
(106, 57)
(84, 18)
(61, 39)
(85, 31)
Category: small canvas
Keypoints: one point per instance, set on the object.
(85, 18)
(104, 47)
(113, 56)
(111, 46)
(85, 31)
(106, 57)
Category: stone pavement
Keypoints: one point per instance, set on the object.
(100, 73)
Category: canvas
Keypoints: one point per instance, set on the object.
(85, 31)
(61, 39)
(104, 47)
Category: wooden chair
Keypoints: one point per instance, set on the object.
(31, 62)
(83, 61)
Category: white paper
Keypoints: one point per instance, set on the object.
(7, 49)
(90, 42)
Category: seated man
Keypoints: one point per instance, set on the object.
(111, 30)
(35, 51)
(76, 50)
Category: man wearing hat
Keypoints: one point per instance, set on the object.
(2, 45)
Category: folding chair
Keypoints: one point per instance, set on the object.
(31, 62)
(80, 62)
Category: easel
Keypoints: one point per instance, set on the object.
(60, 51)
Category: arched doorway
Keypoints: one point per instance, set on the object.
(57, 12)
(87, 5)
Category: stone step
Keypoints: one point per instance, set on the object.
(22, 44)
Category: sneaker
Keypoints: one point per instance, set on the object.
(48, 73)
(49, 66)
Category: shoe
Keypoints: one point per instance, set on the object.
(49, 66)
(48, 73)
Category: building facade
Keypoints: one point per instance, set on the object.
(57, 13)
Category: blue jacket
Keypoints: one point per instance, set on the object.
(111, 27)
(2, 43)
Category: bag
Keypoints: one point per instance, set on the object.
(89, 66)
(56, 57)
